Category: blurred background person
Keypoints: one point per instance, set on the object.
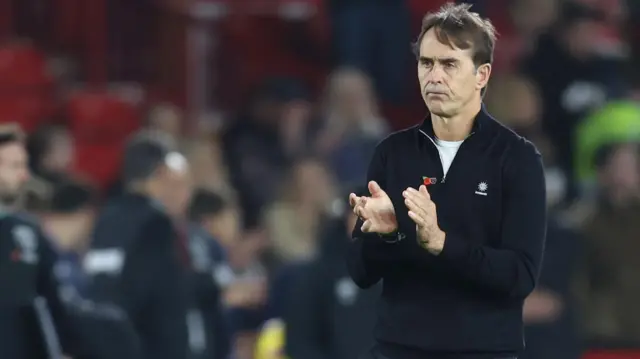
(138, 256)
(260, 145)
(372, 36)
(352, 126)
(327, 315)
(167, 119)
(69, 220)
(209, 170)
(51, 153)
(574, 77)
(611, 232)
(550, 311)
(27, 261)
(617, 121)
(307, 196)
(233, 267)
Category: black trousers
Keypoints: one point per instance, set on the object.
(374, 353)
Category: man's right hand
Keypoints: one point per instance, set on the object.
(376, 211)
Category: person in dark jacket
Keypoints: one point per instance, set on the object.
(550, 311)
(35, 322)
(238, 280)
(68, 220)
(327, 316)
(26, 262)
(137, 259)
(208, 256)
(455, 223)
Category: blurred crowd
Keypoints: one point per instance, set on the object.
(267, 181)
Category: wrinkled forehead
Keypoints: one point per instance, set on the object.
(436, 45)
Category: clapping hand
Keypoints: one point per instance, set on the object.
(376, 211)
(422, 211)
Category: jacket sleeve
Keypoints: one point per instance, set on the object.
(153, 293)
(306, 317)
(512, 269)
(362, 263)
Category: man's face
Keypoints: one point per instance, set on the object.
(177, 188)
(14, 171)
(353, 97)
(448, 77)
(622, 172)
(225, 226)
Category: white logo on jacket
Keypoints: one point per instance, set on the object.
(482, 188)
(26, 242)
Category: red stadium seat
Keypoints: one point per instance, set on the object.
(23, 67)
(256, 43)
(26, 110)
(99, 163)
(25, 86)
(101, 121)
(101, 116)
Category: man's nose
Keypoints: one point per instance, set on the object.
(435, 75)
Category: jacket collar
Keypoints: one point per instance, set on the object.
(480, 123)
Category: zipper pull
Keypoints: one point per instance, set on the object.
(444, 179)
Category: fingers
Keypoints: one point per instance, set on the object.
(419, 198)
(422, 221)
(421, 191)
(366, 226)
(374, 188)
(419, 220)
(352, 200)
(416, 208)
(421, 208)
(358, 208)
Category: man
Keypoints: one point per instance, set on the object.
(212, 223)
(137, 259)
(458, 242)
(576, 80)
(69, 220)
(326, 315)
(27, 260)
(238, 278)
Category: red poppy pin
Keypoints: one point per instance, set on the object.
(428, 181)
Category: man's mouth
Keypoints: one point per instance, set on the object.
(433, 92)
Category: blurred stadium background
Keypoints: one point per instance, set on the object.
(277, 104)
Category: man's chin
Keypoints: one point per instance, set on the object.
(437, 110)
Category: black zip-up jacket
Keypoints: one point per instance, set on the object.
(134, 262)
(26, 272)
(466, 301)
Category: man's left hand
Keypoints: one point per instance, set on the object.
(422, 211)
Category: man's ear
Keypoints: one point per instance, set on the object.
(482, 76)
